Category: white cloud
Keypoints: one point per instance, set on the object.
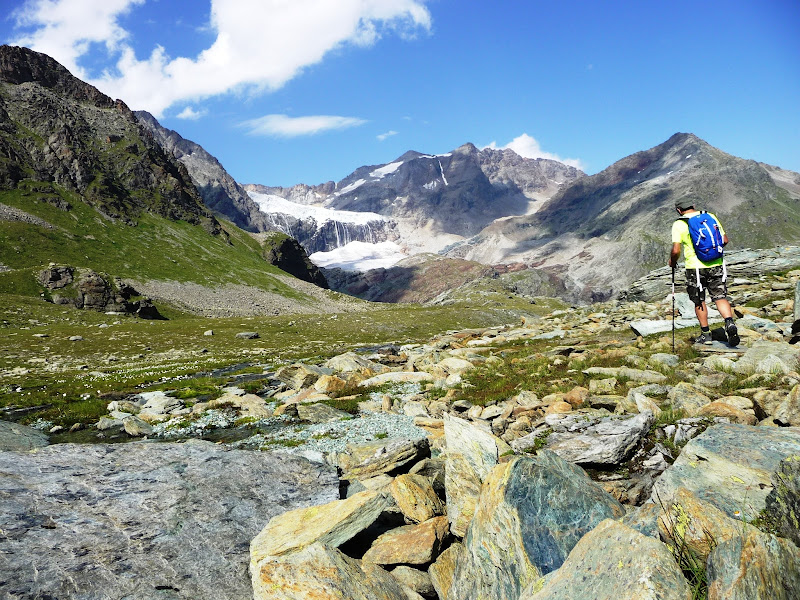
(388, 134)
(527, 147)
(190, 114)
(260, 44)
(285, 126)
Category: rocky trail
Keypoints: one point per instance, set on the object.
(566, 456)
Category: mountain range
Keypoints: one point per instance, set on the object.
(589, 236)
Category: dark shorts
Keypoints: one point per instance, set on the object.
(711, 280)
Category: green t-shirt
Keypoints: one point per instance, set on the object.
(680, 235)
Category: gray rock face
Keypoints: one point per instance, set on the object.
(143, 520)
(783, 502)
(607, 441)
(730, 466)
(531, 513)
(14, 436)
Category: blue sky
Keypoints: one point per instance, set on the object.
(305, 91)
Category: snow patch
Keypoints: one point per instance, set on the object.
(271, 204)
(432, 185)
(349, 188)
(385, 170)
(360, 256)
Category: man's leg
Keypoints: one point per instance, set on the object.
(702, 314)
(724, 308)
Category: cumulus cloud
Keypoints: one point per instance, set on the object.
(190, 114)
(527, 147)
(285, 126)
(259, 45)
(386, 135)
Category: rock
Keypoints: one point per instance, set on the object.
(14, 436)
(730, 467)
(247, 335)
(331, 524)
(75, 338)
(576, 396)
(418, 544)
(665, 360)
(351, 362)
(643, 519)
(606, 441)
(788, 412)
(321, 413)
(688, 398)
(208, 332)
(754, 566)
(688, 522)
(319, 572)
(628, 373)
(443, 569)
(797, 301)
(733, 414)
(783, 502)
(416, 498)
(381, 456)
(330, 384)
(532, 512)
(156, 406)
(602, 386)
(471, 454)
(136, 427)
(419, 581)
(784, 358)
(110, 424)
(125, 520)
(614, 562)
(299, 375)
(247, 405)
(433, 470)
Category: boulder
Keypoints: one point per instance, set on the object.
(136, 427)
(367, 460)
(350, 362)
(628, 373)
(398, 377)
(127, 520)
(416, 498)
(727, 411)
(599, 441)
(471, 454)
(299, 376)
(319, 572)
(419, 581)
(754, 566)
(768, 357)
(614, 562)
(321, 413)
(247, 335)
(14, 436)
(787, 412)
(418, 544)
(331, 524)
(443, 570)
(532, 512)
(730, 466)
(688, 398)
(782, 509)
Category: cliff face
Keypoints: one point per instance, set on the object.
(57, 131)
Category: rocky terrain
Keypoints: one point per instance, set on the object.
(561, 457)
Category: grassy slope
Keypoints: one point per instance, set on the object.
(156, 248)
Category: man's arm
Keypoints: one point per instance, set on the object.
(725, 240)
(674, 255)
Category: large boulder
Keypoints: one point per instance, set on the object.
(14, 436)
(730, 466)
(472, 452)
(532, 512)
(363, 461)
(143, 520)
(754, 566)
(614, 562)
(783, 502)
(319, 572)
(598, 441)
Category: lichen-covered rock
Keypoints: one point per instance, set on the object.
(416, 498)
(532, 512)
(419, 581)
(730, 466)
(471, 454)
(768, 357)
(362, 461)
(614, 562)
(410, 544)
(606, 441)
(14, 436)
(443, 570)
(754, 566)
(319, 572)
(783, 502)
(788, 412)
(688, 398)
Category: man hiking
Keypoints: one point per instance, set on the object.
(702, 239)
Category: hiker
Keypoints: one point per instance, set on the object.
(701, 275)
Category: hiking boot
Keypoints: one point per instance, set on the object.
(732, 332)
(705, 338)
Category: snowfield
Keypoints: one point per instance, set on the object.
(360, 256)
(275, 204)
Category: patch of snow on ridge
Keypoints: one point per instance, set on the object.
(386, 170)
(349, 188)
(275, 204)
(360, 256)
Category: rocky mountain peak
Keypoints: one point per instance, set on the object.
(20, 65)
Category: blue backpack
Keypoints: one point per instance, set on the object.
(706, 236)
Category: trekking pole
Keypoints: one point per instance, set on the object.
(673, 310)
